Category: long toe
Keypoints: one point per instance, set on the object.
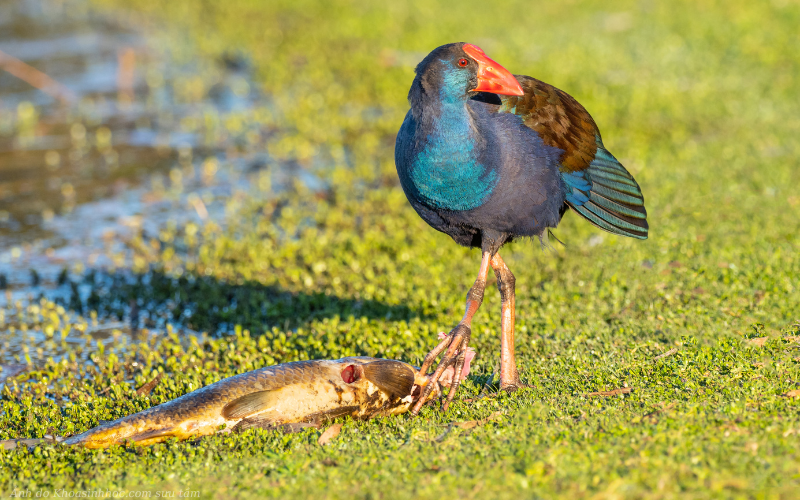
(455, 348)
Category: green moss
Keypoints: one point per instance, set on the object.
(698, 100)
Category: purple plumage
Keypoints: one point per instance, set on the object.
(485, 157)
(482, 166)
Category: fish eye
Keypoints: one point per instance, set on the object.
(462, 62)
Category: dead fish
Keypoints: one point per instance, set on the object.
(295, 394)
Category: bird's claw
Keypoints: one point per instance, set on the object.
(514, 387)
(455, 350)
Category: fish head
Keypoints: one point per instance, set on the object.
(384, 386)
(376, 386)
(391, 387)
(395, 379)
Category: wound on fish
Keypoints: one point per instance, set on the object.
(351, 373)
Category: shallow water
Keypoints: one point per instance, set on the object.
(126, 143)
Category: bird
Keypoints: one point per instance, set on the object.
(488, 157)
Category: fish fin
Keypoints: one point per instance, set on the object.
(295, 427)
(268, 423)
(247, 405)
(96, 440)
(256, 421)
(392, 377)
(155, 434)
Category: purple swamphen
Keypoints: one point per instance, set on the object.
(487, 157)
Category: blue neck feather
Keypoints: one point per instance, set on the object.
(447, 172)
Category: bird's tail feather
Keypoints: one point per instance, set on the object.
(615, 202)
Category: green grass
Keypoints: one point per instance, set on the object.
(698, 100)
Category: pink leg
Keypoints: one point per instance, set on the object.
(509, 377)
(456, 343)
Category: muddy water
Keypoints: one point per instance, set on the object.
(67, 142)
(116, 139)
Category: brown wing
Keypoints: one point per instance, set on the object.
(559, 120)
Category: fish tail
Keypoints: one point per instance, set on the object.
(10, 444)
(119, 432)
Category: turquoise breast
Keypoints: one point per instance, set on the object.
(448, 176)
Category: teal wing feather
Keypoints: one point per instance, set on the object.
(607, 195)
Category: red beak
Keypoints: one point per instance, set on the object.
(491, 76)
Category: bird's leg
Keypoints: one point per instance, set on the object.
(474, 299)
(455, 344)
(509, 377)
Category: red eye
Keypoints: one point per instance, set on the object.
(462, 62)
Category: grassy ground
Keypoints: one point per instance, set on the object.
(699, 101)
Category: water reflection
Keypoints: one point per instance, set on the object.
(116, 139)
